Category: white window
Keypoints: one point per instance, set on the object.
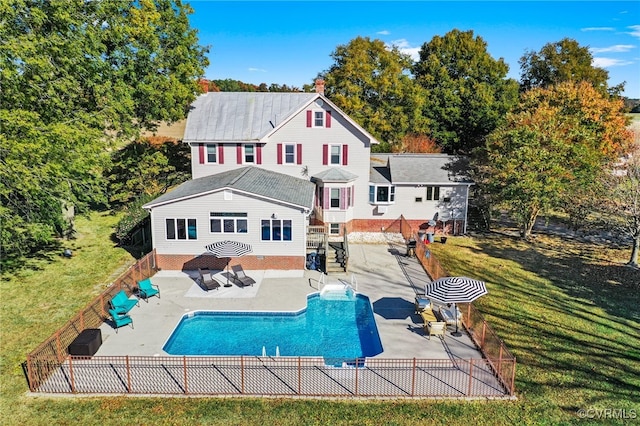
(212, 153)
(318, 119)
(181, 229)
(249, 154)
(433, 193)
(335, 154)
(290, 154)
(335, 198)
(382, 194)
(228, 223)
(334, 229)
(275, 230)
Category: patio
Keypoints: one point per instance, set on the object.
(132, 360)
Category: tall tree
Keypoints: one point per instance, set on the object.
(467, 90)
(557, 139)
(562, 61)
(76, 74)
(370, 81)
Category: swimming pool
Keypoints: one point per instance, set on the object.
(338, 330)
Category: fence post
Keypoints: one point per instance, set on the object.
(71, 378)
(513, 377)
(500, 362)
(241, 373)
(484, 329)
(184, 373)
(356, 389)
(59, 347)
(128, 374)
(470, 376)
(299, 376)
(413, 378)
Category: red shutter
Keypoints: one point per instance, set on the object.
(259, 153)
(328, 118)
(343, 198)
(279, 153)
(201, 152)
(220, 154)
(325, 154)
(239, 153)
(345, 155)
(299, 153)
(309, 118)
(327, 199)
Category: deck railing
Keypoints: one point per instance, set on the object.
(275, 376)
(50, 355)
(491, 346)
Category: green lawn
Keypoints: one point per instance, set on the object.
(567, 310)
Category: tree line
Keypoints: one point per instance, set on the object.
(83, 80)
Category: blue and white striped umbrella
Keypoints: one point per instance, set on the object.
(229, 249)
(455, 290)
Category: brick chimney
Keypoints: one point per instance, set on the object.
(320, 86)
(204, 85)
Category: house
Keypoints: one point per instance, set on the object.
(295, 142)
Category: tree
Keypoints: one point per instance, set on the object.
(76, 76)
(562, 61)
(371, 83)
(623, 204)
(413, 143)
(558, 139)
(467, 90)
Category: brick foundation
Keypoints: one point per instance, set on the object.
(178, 262)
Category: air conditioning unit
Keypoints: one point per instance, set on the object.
(382, 209)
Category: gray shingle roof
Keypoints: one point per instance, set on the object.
(437, 169)
(240, 116)
(335, 174)
(253, 180)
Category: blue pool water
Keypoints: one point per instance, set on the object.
(334, 329)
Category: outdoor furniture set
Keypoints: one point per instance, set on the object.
(436, 318)
(120, 304)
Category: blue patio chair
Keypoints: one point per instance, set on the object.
(123, 304)
(147, 290)
(120, 319)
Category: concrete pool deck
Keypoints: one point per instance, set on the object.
(390, 280)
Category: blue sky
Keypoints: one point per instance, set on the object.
(290, 42)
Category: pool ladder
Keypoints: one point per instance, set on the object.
(264, 351)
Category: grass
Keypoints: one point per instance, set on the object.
(567, 310)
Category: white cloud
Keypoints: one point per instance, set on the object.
(635, 31)
(610, 62)
(256, 70)
(383, 32)
(405, 47)
(615, 48)
(597, 29)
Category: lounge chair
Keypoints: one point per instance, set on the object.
(147, 290)
(448, 317)
(436, 329)
(241, 277)
(123, 304)
(207, 282)
(120, 319)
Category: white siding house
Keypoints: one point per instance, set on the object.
(262, 159)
